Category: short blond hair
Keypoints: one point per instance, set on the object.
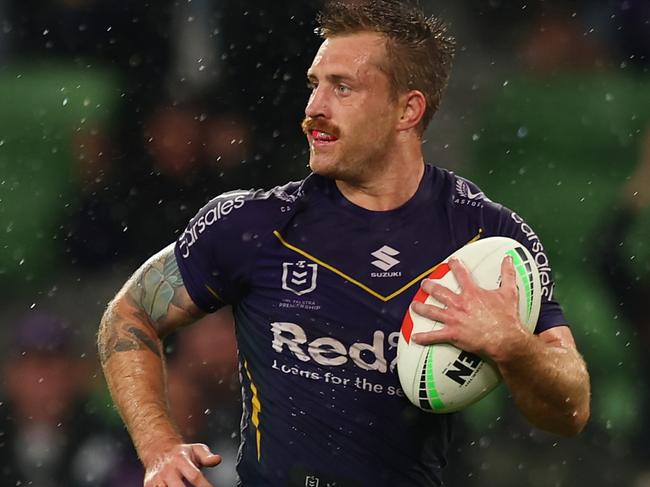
(420, 52)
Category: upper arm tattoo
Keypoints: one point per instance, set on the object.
(155, 288)
(155, 303)
(158, 290)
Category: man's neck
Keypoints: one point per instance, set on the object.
(386, 191)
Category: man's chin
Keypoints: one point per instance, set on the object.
(323, 166)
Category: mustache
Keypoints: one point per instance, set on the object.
(310, 123)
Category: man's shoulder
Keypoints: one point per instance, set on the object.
(464, 195)
(263, 197)
(255, 203)
(240, 216)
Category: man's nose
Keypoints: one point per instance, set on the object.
(318, 104)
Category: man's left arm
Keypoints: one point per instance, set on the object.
(545, 373)
(549, 381)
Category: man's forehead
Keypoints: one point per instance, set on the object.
(353, 52)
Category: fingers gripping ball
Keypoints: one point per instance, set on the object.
(442, 378)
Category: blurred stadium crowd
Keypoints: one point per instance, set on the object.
(119, 120)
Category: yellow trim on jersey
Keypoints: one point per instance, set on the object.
(342, 274)
(257, 408)
(214, 293)
(477, 236)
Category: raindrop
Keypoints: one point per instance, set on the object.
(475, 137)
(609, 97)
(522, 132)
(65, 101)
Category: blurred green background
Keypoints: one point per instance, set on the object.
(547, 111)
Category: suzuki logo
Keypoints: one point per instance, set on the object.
(385, 258)
(299, 278)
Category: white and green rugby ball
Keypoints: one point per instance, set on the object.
(442, 378)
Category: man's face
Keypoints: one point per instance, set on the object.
(351, 116)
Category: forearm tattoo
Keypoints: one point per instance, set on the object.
(126, 337)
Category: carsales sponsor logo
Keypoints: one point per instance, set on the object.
(219, 209)
(537, 249)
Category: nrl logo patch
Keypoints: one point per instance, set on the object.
(299, 277)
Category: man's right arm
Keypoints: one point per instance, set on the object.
(152, 303)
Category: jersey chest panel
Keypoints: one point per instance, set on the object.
(332, 300)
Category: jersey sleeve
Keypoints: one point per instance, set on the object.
(507, 223)
(212, 254)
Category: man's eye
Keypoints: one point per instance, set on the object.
(343, 89)
(311, 85)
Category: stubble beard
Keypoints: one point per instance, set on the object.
(354, 169)
(339, 166)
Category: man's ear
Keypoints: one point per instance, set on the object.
(413, 107)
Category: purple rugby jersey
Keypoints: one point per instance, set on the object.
(319, 288)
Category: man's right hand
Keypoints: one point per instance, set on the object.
(182, 462)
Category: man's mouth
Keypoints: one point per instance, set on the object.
(320, 136)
